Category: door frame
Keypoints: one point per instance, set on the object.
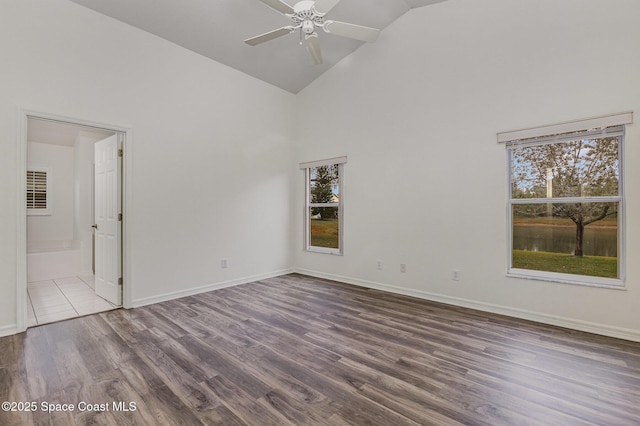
(21, 240)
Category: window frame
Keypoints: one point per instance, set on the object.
(340, 162)
(608, 126)
(47, 211)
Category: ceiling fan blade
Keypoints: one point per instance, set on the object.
(313, 48)
(262, 38)
(357, 32)
(278, 5)
(323, 6)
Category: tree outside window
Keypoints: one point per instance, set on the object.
(323, 211)
(565, 203)
(324, 203)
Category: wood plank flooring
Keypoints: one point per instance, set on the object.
(296, 350)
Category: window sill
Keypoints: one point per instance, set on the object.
(581, 280)
(334, 252)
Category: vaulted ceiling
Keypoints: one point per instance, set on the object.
(217, 29)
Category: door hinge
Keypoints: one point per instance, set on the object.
(120, 281)
(120, 153)
(119, 217)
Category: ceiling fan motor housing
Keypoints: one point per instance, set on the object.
(306, 17)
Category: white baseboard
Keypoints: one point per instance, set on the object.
(574, 324)
(8, 330)
(203, 289)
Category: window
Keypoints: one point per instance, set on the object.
(565, 206)
(38, 190)
(323, 205)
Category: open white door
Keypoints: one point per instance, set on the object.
(108, 220)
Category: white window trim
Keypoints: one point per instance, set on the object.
(47, 211)
(619, 119)
(554, 134)
(327, 162)
(340, 161)
(557, 277)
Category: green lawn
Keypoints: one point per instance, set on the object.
(596, 266)
(324, 233)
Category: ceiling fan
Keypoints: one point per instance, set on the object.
(307, 15)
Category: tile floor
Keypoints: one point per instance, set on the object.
(63, 298)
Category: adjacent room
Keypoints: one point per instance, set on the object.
(320, 212)
(61, 223)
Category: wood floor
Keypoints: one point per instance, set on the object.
(299, 350)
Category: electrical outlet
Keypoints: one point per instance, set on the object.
(379, 264)
(403, 267)
(455, 275)
(224, 264)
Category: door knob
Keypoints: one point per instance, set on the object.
(94, 226)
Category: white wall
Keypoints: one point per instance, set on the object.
(59, 225)
(211, 147)
(417, 115)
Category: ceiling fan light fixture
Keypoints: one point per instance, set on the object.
(308, 27)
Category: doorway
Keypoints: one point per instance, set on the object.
(66, 196)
